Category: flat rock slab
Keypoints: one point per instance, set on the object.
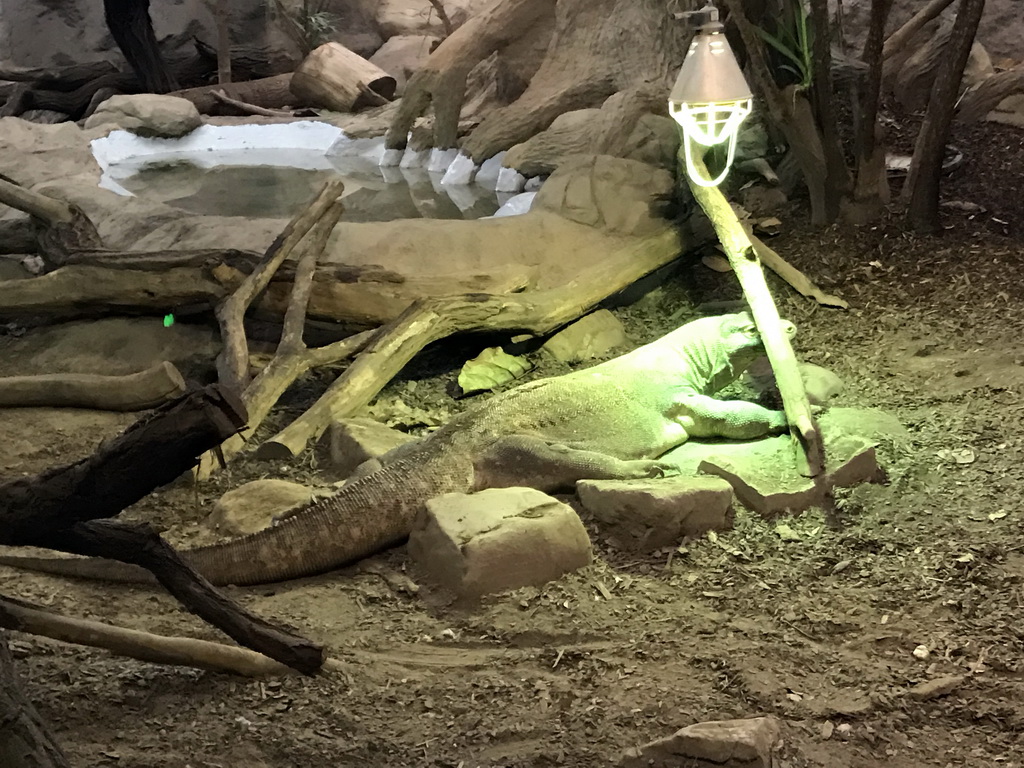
(353, 441)
(497, 540)
(764, 473)
(746, 743)
(645, 515)
(257, 505)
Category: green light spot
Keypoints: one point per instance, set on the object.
(168, 321)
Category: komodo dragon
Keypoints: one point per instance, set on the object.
(608, 421)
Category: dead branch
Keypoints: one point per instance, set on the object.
(899, 39)
(132, 392)
(985, 96)
(233, 362)
(432, 319)
(59, 509)
(793, 276)
(144, 646)
(442, 15)
(253, 109)
(61, 226)
(292, 358)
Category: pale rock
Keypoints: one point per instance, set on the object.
(760, 199)
(820, 383)
(979, 66)
(413, 17)
(460, 172)
(403, 55)
(749, 743)
(353, 441)
(534, 183)
(592, 336)
(646, 515)
(497, 540)
(147, 114)
(516, 205)
(937, 688)
(487, 174)
(441, 159)
(510, 180)
(257, 505)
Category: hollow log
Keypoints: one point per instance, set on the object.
(335, 78)
(133, 392)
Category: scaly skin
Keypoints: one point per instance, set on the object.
(609, 421)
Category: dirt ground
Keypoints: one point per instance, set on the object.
(819, 632)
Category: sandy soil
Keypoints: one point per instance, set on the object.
(819, 631)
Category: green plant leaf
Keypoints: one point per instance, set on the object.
(490, 369)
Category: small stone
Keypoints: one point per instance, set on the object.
(497, 540)
(257, 505)
(595, 335)
(934, 689)
(645, 515)
(716, 744)
(922, 652)
(353, 441)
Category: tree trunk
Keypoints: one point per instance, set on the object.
(598, 47)
(25, 741)
(132, 29)
(838, 182)
(223, 11)
(922, 186)
(871, 188)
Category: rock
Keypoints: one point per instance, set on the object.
(412, 17)
(354, 25)
(403, 55)
(715, 744)
(353, 441)
(257, 505)
(760, 199)
(979, 66)
(764, 475)
(821, 384)
(594, 335)
(148, 115)
(497, 540)
(766, 480)
(934, 689)
(645, 515)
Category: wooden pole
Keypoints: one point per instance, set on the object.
(747, 266)
(223, 11)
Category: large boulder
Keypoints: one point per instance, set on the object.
(148, 115)
(414, 17)
(403, 55)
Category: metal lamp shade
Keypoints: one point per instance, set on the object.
(710, 73)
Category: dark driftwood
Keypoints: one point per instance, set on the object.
(25, 741)
(59, 509)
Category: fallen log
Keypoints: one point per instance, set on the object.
(132, 392)
(982, 98)
(60, 509)
(268, 92)
(335, 78)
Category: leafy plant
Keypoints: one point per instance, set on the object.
(307, 22)
(793, 41)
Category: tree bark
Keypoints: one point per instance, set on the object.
(986, 95)
(921, 191)
(838, 182)
(25, 741)
(223, 11)
(132, 29)
(871, 186)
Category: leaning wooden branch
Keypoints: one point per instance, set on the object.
(156, 649)
(233, 362)
(292, 358)
(899, 39)
(59, 510)
(25, 739)
(793, 276)
(432, 319)
(746, 265)
(61, 226)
